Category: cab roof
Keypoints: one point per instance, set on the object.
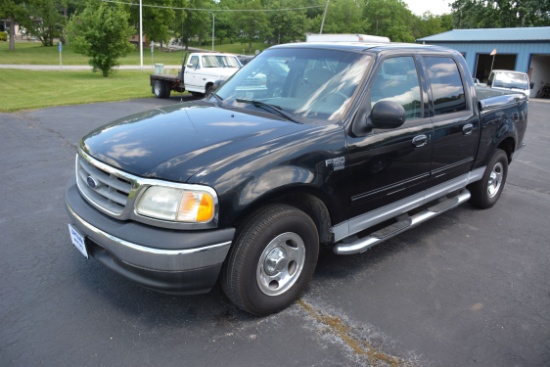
(364, 46)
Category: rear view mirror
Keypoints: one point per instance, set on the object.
(387, 115)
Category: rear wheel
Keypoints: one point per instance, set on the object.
(486, 192)
(272, 260)
(161, 89)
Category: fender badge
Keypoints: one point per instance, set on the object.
(336, 163)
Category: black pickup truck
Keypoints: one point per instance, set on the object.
(309, 145)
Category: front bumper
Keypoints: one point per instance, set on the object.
(171, 261)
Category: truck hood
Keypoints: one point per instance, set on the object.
(174, 143)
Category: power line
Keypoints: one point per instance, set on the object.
(214, 10)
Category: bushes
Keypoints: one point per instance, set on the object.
(3, 36)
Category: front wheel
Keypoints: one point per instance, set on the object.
(486, 192)
(208, 90)
(272, 260)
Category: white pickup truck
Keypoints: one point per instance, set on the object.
(197, 75)
(514, 81)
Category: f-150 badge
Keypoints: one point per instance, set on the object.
(336, 163)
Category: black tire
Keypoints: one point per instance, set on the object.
(272, 260)
(485, 193)
(208, 90)
(161, 89)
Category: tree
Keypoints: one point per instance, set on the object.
(343, 16)
(12, 10)
(101, 32)
(191, 22)
(390, 18)
(226, 28)
(429, 24)
(254, 24)
(286, 26)
(156, 20)
(500, 13)
(178, 23)
(43, 19)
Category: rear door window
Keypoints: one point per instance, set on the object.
(446, 83)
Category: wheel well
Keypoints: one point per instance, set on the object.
(508, 145)
(307, 202)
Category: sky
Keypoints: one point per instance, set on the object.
(437, 7)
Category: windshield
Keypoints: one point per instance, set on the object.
(305, 84)
(220, 61)
(510, 79)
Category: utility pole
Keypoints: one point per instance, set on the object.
(140, 35)
(213, 29)
(324, 16)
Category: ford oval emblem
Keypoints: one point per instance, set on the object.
(92, 182)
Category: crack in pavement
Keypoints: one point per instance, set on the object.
(358, 344)
(35, 123)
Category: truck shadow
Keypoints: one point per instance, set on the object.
(213, 308)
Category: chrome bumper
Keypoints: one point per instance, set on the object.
(148, 247)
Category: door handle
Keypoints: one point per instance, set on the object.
(420, 140)
(467, 129)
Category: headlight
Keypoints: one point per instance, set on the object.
(167, 203)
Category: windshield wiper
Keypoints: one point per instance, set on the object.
(278, 110)
(219, 100)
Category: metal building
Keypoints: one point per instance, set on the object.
(521, 49)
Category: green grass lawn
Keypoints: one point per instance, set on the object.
(25, 89)
(34, 53)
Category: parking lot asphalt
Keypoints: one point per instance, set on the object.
(468, 288)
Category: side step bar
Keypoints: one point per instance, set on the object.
(355, 245)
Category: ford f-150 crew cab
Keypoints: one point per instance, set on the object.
(340, 145)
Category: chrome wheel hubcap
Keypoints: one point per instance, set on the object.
(495, 180)
(281, 264)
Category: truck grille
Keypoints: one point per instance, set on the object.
(115, 192)
(105, 189)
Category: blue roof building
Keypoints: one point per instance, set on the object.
(522, 49)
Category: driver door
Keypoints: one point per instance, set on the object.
(192, 73)
(386, 165)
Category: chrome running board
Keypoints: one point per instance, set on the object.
(355, 245)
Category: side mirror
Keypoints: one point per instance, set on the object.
(532, 85)
(387, 115)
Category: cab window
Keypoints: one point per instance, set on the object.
(397, 80)
(194, 62)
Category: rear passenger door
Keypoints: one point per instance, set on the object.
(456, 126)
(386, 165)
